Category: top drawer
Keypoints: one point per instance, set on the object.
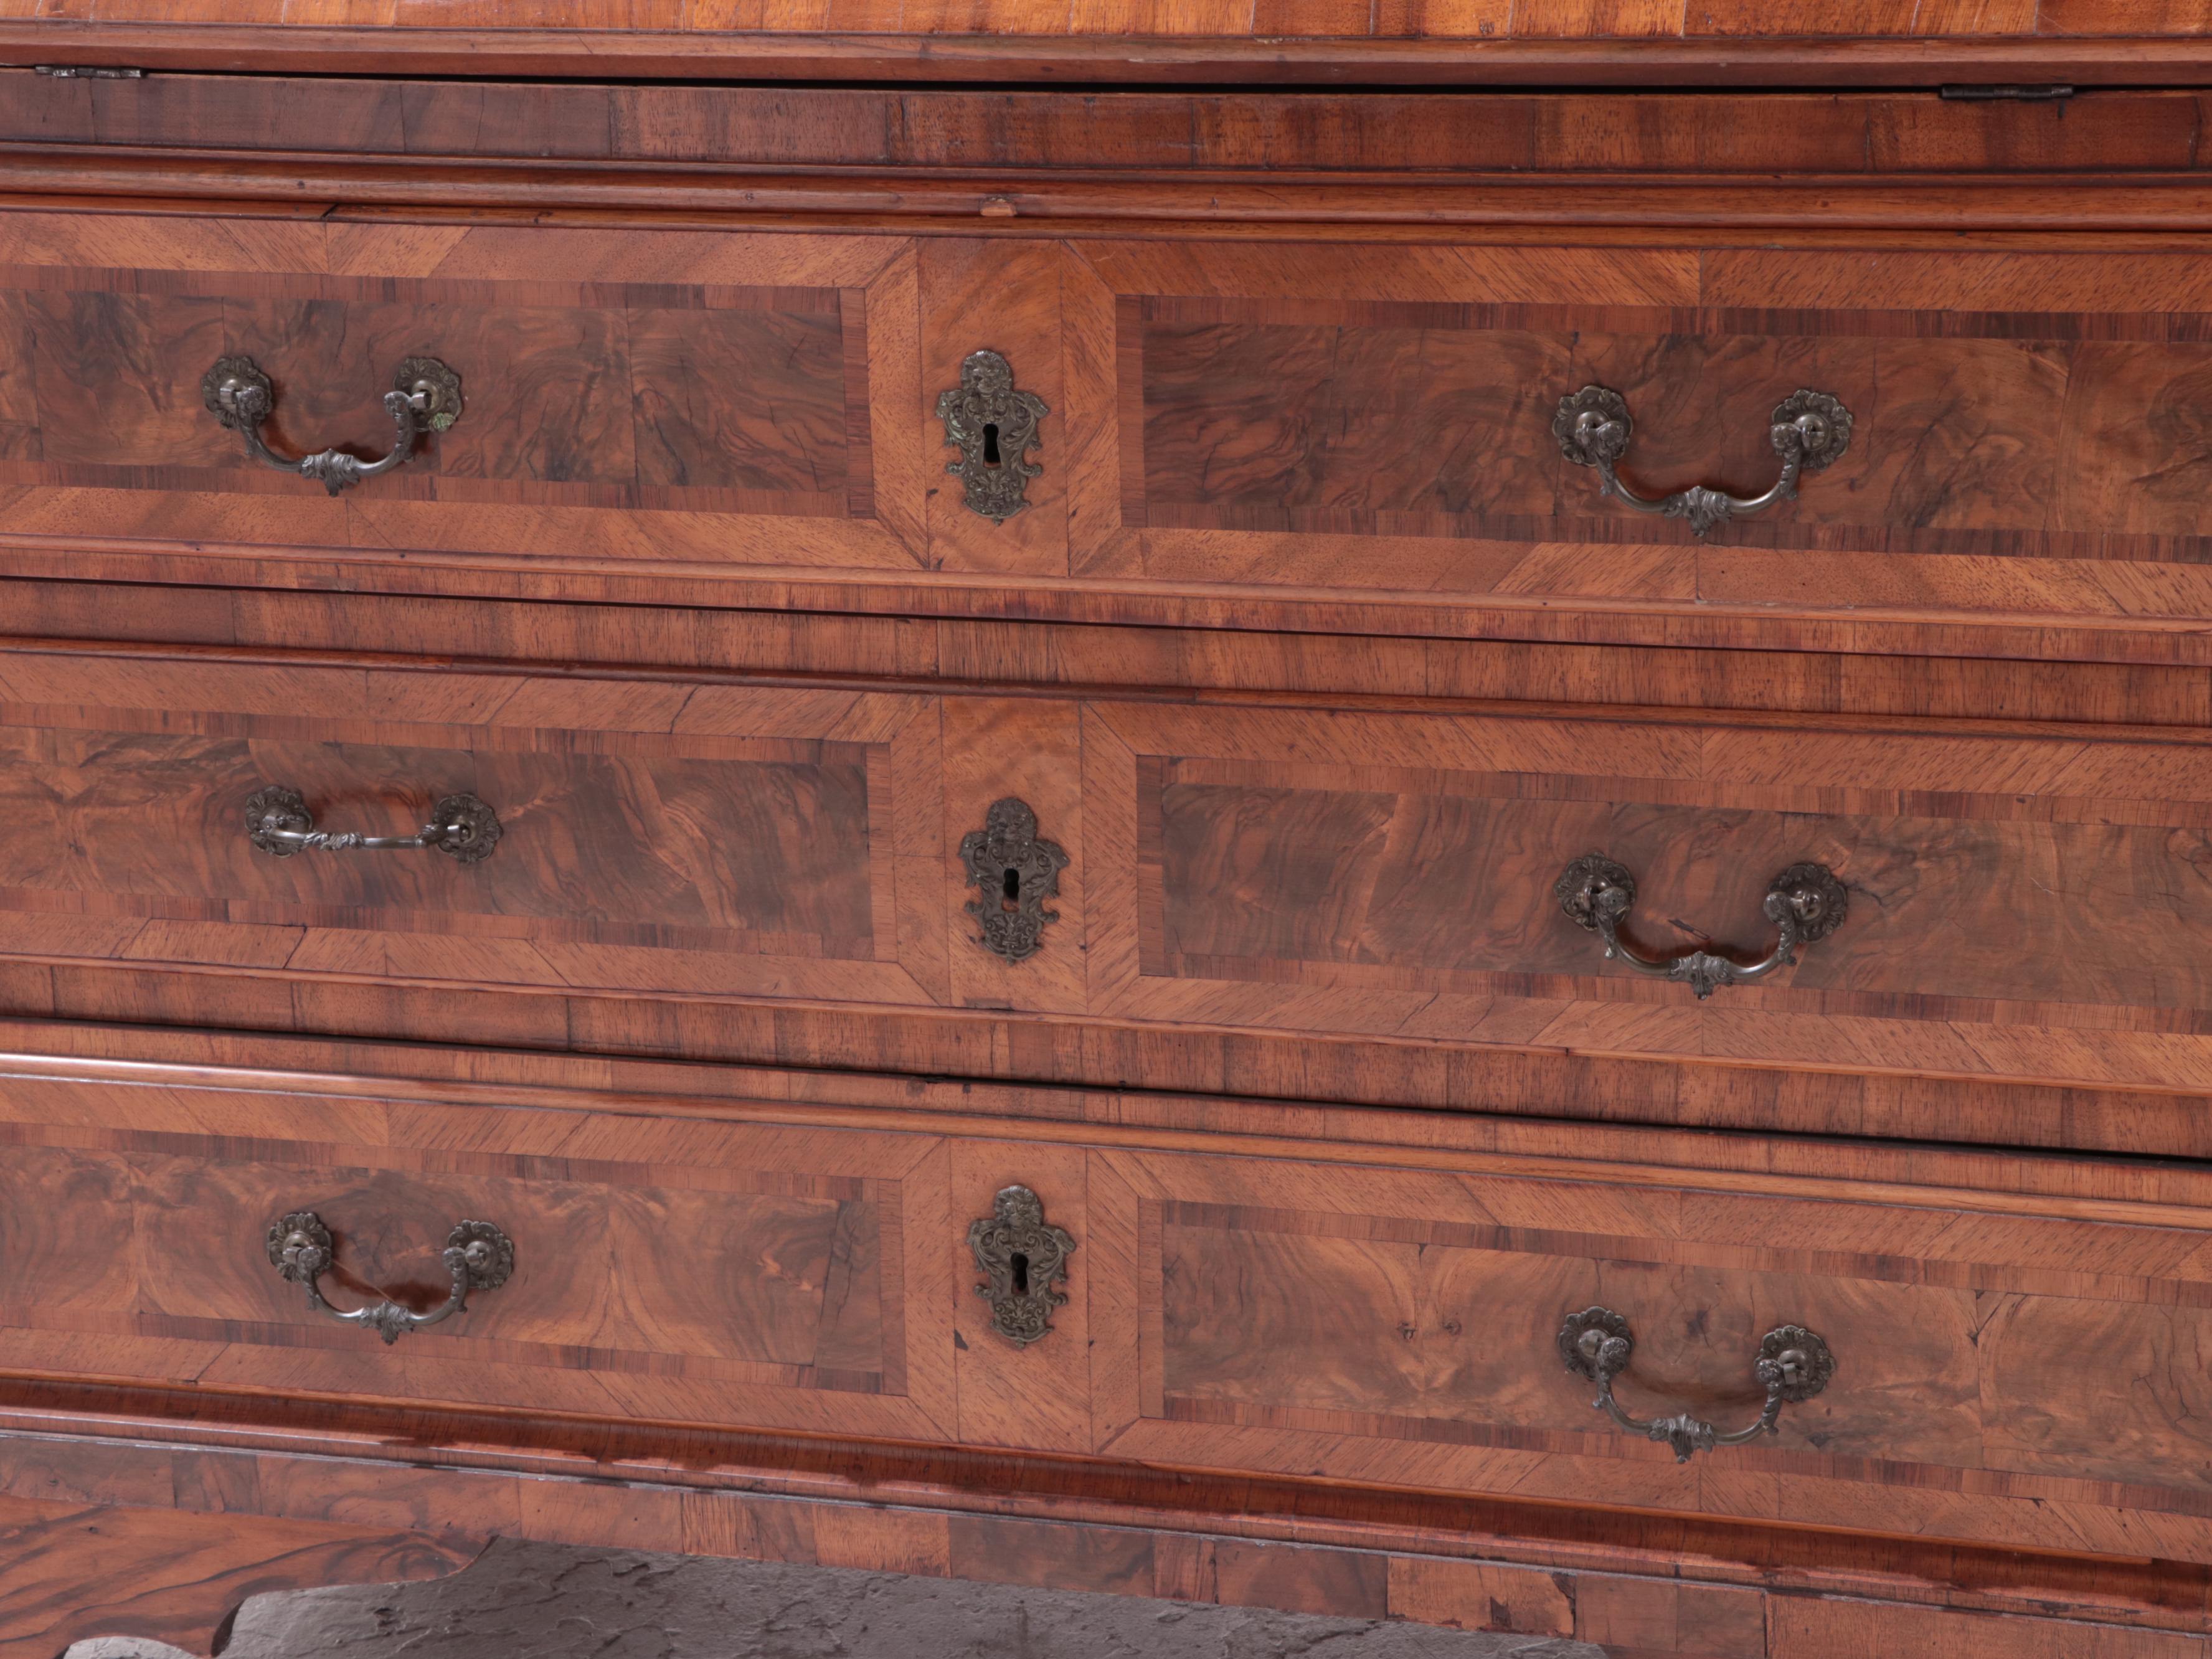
(1306, 436)
(720, 400)
(2009, 437)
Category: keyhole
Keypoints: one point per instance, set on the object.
(990, 443)
(1011, 891)
(1021, 1273)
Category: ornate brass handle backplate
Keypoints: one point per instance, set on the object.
(425, 397)
(1810, 430)
(478, 1256)
(1793, 1363)
(461, 827)
(1806, 903)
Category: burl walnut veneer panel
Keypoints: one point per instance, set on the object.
(2007, 1369)
(2023, 903)
(786, 1278)
(2031, 429)
(1019, 138)
(660, 838)
(706, 396)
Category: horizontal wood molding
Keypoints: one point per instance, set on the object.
(332, 578)
(2084, 41)
(1004, 139)
(175, 1571)
(917, 652)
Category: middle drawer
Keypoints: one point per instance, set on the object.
(1963, 899)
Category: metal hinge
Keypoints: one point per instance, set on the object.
(2018, 95)
(88, 72)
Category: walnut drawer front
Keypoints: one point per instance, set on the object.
(1387, 418)
(737, 1275)
(719, 398)
(2016, 903)
(1357, 436)
(2013, 1361)
(649, 841)
(2012, 1369)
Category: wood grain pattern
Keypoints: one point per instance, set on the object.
(1331, 872)
(1329, 43)
(1006, 132)
(1338, 420)
(1313, 429)
(685, 840)
(1230, 883)
(1399, 1328)
(726, 1491)
(70, 1571)
(630, 396)
(1586, 19)
(756, 1277)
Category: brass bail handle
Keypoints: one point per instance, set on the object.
(425, 397)
(278, 822)
(1806, 903)
(1810, 430)
(477, 1257)
(1792, 1364)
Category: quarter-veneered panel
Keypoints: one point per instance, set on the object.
(1376, 423)
(2007, 1368)
(718, 399)
(749, 1275)
(649, 840)
(2017, 902)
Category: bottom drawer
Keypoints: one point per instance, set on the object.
(2014, 1368)
(645, 1266)
(2019, 1357)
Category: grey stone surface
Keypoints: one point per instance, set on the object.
(538, 1602)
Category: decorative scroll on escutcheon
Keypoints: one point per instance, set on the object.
(1017, 870)
(1024, 1258)
(477, 1255)
(461, 827)
(1806, 903)
(1809, 429)
(425, 397)
(993, 426)
(1793, 1363)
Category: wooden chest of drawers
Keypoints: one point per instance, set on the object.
(1090, 803)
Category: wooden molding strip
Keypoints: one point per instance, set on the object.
(101, 1440)
(602, 54)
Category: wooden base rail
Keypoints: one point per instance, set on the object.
(132, 1537)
